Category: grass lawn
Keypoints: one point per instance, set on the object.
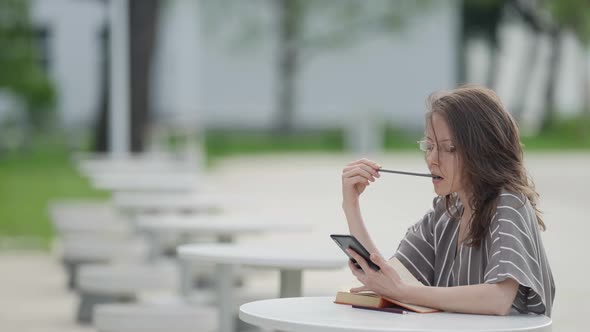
(220, 143)
(566, 134)
(28, 181)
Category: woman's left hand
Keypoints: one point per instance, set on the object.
(385, 282)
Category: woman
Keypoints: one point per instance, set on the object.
(478, 250)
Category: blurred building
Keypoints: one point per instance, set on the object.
(201, 77)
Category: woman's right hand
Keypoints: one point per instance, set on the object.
(356, 176)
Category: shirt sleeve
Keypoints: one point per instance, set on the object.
(416, 249)
(514, 250)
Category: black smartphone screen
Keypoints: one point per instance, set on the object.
(349, 241)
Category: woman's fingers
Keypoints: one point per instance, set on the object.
(370, 167)
(380, 261)
(355, 270)
(358, 175)
(366, 162)
(384, 281)
(356, 181)
(360, 289)
(385, 267)
(359, 172)
(359, 259)
(360, 169)
(360, 180)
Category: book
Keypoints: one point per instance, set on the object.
(372, 300)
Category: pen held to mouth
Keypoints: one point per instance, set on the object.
(407, 173)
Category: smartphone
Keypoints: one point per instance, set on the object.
(349, 241)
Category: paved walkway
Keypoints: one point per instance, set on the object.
(307, 188)
(33, 297)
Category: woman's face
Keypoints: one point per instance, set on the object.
(441, 158)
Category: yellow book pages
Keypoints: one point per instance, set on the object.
(365, 299)
(375, 301)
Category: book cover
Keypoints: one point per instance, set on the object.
(370, 299)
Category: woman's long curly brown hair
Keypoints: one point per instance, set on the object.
(487, 143)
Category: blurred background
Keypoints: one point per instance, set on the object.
(262, 76)
(239, 84)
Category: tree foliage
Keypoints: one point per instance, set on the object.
(21, 71)
(573, 15)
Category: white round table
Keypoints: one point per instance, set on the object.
(167, 202)
(181, 182)
(290, 263)
(215, 224)
(99, 166)
(224, 227)
(315, 314)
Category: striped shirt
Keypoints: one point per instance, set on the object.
(512, 248)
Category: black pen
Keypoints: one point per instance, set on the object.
(386, 309)
(405, 173)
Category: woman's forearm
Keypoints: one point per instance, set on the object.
(490, 299)
(357, 227)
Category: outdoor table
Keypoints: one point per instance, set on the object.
(321, 314)
(224, 227)
(168, 202)
(181, 182)
(145, 164)
(290, 263)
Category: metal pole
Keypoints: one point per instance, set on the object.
(119, 86)
(225, 299)
(291, 283)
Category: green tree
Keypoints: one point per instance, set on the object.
(574, 15)
(536, 15)
(20, 68)
(552, 18)
(480, 19)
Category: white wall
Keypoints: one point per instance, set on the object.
(176, 84)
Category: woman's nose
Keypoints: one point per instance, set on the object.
(431, 158)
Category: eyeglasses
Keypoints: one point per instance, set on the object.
(427, 147)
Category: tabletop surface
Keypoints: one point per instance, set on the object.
(217, 224)
(166, 199)
(321, 314)
(130, 166)
(275, 257)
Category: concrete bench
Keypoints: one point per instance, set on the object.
(99, 283)
(171, 312)
(96, 164)
(74, 217)
(80, 250)
(172, 182)
(154, 318)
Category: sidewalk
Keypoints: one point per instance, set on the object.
(33, 296)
